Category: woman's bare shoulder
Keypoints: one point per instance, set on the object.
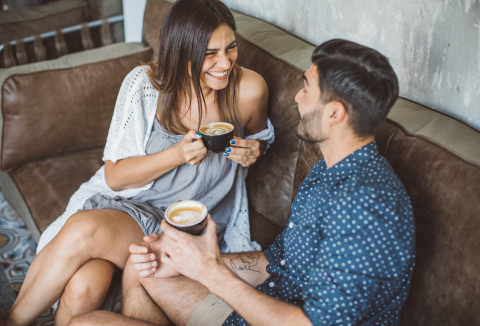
(252, 85)
(252, 94)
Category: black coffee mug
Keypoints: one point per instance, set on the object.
(194, 228)
(217, 142)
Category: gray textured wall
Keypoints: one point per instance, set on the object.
(434, 45)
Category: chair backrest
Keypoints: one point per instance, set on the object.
(23, 22)
(436, 157)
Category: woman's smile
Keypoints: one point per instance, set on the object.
(218, 75)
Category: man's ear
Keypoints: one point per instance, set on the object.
(338, 113)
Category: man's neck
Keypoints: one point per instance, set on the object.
(336, 149)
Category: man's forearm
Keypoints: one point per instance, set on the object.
(249, 266)
(255, 307)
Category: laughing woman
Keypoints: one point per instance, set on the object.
(153, 158)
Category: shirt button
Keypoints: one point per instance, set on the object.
(282, 262)
(271, 284)
(290, 225)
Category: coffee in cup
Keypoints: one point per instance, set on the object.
(216, 136)
(187, 215)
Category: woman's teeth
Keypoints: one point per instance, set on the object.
(217, 74)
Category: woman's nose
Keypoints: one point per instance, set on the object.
(224, 62)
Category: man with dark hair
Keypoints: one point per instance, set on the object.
(347, 254)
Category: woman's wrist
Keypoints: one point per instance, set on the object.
(177, 155)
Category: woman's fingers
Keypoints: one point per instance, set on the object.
(145, 266)
(240, 142)
(195, 154)
(191, 136)
(142, 258)
(242, 151)
(245, 161)
(138, 248)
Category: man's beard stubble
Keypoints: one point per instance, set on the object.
(309, 127)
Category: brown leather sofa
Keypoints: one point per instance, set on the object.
(56, 117)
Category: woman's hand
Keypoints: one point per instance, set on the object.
(146, 257)
(191, 149)
(244, 152)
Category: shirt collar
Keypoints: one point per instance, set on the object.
(345, 167)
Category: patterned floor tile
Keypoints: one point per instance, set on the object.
(17, 250)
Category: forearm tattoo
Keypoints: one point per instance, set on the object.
(244, 262)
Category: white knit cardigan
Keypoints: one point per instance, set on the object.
(128, 136)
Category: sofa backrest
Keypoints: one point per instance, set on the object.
(62, 105)
(436, 157)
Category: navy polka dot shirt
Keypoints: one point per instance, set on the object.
(347, 254)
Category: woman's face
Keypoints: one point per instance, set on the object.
(220, 56)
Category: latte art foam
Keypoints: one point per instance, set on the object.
(186, 217)
(217, 128)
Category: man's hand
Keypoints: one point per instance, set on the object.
(196, 257)
(146, 256)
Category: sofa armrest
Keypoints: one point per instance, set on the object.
(63, 105)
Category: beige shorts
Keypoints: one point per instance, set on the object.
(212, 311)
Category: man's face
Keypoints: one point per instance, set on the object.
(311, 109)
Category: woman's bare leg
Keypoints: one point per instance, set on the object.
(86, 290)
(102, 233)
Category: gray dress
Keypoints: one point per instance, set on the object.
(211, 183)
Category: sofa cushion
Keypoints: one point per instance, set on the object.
(62, 105)
(45, 186)
(23, 22)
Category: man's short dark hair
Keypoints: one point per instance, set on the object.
(360, 78)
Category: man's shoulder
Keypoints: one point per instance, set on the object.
(374, 186)
(378, 176)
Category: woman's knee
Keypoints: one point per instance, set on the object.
(80, 296)
(82, 232)
(83, 292)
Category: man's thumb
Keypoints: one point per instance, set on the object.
(211, 225)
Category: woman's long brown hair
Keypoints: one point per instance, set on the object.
(186, 30)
